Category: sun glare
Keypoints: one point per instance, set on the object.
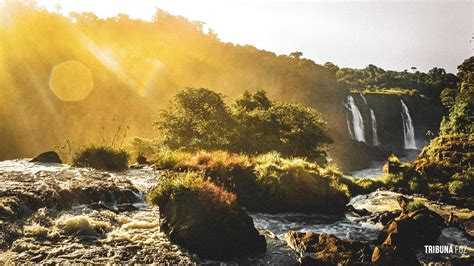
(71, 81)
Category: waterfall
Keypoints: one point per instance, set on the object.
(374, 129)
(363, 98)
(357, 120)
(351, 134)
(408, 129)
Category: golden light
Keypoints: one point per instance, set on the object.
(71, 81)
(144, 73)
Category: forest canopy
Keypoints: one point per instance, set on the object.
(200, 120)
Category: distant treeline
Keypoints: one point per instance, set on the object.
(137, 66)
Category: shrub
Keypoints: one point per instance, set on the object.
(173, 182)
(297, 185)
(171, 160)
(101, 157)
(415, 205)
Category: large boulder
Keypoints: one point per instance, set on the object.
(47, 157)
(324, 249)
(397, 242)
(213, 231)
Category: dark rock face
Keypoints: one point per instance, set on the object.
(400, 238)
(214, 233)
(47, 157)
(324, 249)
(353, 155)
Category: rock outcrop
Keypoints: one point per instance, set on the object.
(324, 249)
(47, 157)
(213, 232)
(397, 242)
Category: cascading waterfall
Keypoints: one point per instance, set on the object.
(357, 120)
(351, 134)
(408, 129)
(375, 140)
(363, 98)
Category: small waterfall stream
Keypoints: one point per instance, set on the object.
(375, 139)
(357, 120)
(408, 129)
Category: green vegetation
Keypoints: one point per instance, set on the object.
(445, 165)
(415, 205)
(268, 182)
(298, 185)
(101, 157)
(173, 182)
(391, 91)
(199, 120)
(373, 79)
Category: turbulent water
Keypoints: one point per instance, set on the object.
(120, 227)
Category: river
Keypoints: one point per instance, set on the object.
(91, 234)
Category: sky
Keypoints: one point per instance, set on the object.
(394, 35)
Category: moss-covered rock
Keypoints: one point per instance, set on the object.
(205, 218)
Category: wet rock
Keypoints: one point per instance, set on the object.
(324, 249)
(211, 232)
(403, 202)
(413, 230)
(399, 239)
(358, 212)
(386, 217)
(126, 207)
(102, 206)
(389, 255)
(47, 157)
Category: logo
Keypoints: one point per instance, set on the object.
(445, 249)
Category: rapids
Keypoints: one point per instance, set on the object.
(49, 214)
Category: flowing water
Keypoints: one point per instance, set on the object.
(408, 129)
(123, 228)
(375, 140)
(357, 120)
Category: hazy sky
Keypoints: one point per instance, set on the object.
(390, 34)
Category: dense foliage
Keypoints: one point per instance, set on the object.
(101, 157)
(199, 119)
(135, 65)
(373, 78)
(267, 183)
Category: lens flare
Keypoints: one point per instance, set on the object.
(71, 81)
(144, 73)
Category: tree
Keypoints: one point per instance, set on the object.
(296, 55)
(198, 119)
(291, 129)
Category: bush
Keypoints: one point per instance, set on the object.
(297, 185)
(171, 160)
(415, 205)
(101, 157)
(172, 182)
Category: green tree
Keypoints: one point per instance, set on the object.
(198, 119)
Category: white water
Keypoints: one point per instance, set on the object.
(408, 129)
(357, 120)
(375, 137)
(363, 98)
(351, 134)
